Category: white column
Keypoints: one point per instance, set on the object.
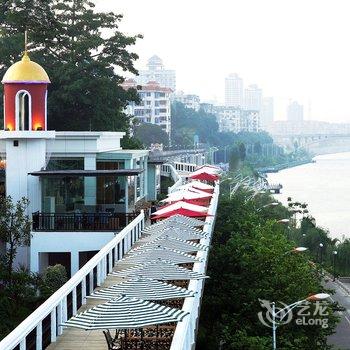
(39, 336)
(53, 325)
(74, 301)
(83, 291)
(74, 262)
(90, 182)
(34, 261)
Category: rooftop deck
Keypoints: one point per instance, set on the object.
(42, 328)
(73, 339)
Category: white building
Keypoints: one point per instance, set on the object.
(228, 118)
(157, 72)
(267, 113)
(250, 121)
(253, 98)
(235, 119)
(155, 104)
(233, 91)
(189, 100)
(295, 112)
(82, 186)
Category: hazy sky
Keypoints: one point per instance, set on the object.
(293, 49)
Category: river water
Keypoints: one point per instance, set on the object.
(325, 186)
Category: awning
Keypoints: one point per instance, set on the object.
(143, 288)
(123, 313)
(86, 173)
(161, 270)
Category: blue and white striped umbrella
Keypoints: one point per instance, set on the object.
(172, 243)
(123, 313)
(169, 225)
(161, 270)
(186, 220)
(172, 233)
(143, 288)
(139, 256)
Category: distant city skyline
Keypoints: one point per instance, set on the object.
(279, 50)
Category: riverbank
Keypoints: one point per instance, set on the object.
(279, 167)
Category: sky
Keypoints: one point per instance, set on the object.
(292, 49)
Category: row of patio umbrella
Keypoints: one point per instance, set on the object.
(164, 246)
(191, 199)
(143, 282)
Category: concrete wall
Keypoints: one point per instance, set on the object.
(65, 242)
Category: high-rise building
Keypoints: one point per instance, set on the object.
(154, 107)
(253, 98)
(189, 100)
(267, 113)
(233, 91)
(157, 72)
(295, 112)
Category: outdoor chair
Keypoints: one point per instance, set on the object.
(113, 344)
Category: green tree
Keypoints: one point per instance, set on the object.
(254, 248)
(242, 151)
(257, 148)
(53, 278)
(14, 230)
(188, 122)
(80, 49)
(234, 159)
(150, 133)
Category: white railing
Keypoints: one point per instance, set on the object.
(170, 169)
(165, 170)
(185, 167)
(95, 270)
(186, 331)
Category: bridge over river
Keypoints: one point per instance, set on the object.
(316, 144)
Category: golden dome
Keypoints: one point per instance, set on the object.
(26, 71)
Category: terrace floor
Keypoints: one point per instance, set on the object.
(72, 338)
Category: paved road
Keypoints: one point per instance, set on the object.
(341, 339)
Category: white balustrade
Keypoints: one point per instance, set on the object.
(186, 331)
(56, 305)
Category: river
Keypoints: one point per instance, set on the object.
(325, 186)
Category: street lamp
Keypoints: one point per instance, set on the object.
(321, 251)
(334, 255)
(296, 250)
(299, 249)
(285, 311)
(273, 204)
(283, 221)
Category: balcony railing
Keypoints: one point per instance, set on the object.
(81, 221)
(32, 332)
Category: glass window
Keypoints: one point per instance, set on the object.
(65, 164)
(138, 186)
(110, 189)
(23, 112)
(131, 191)
(62, 194)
